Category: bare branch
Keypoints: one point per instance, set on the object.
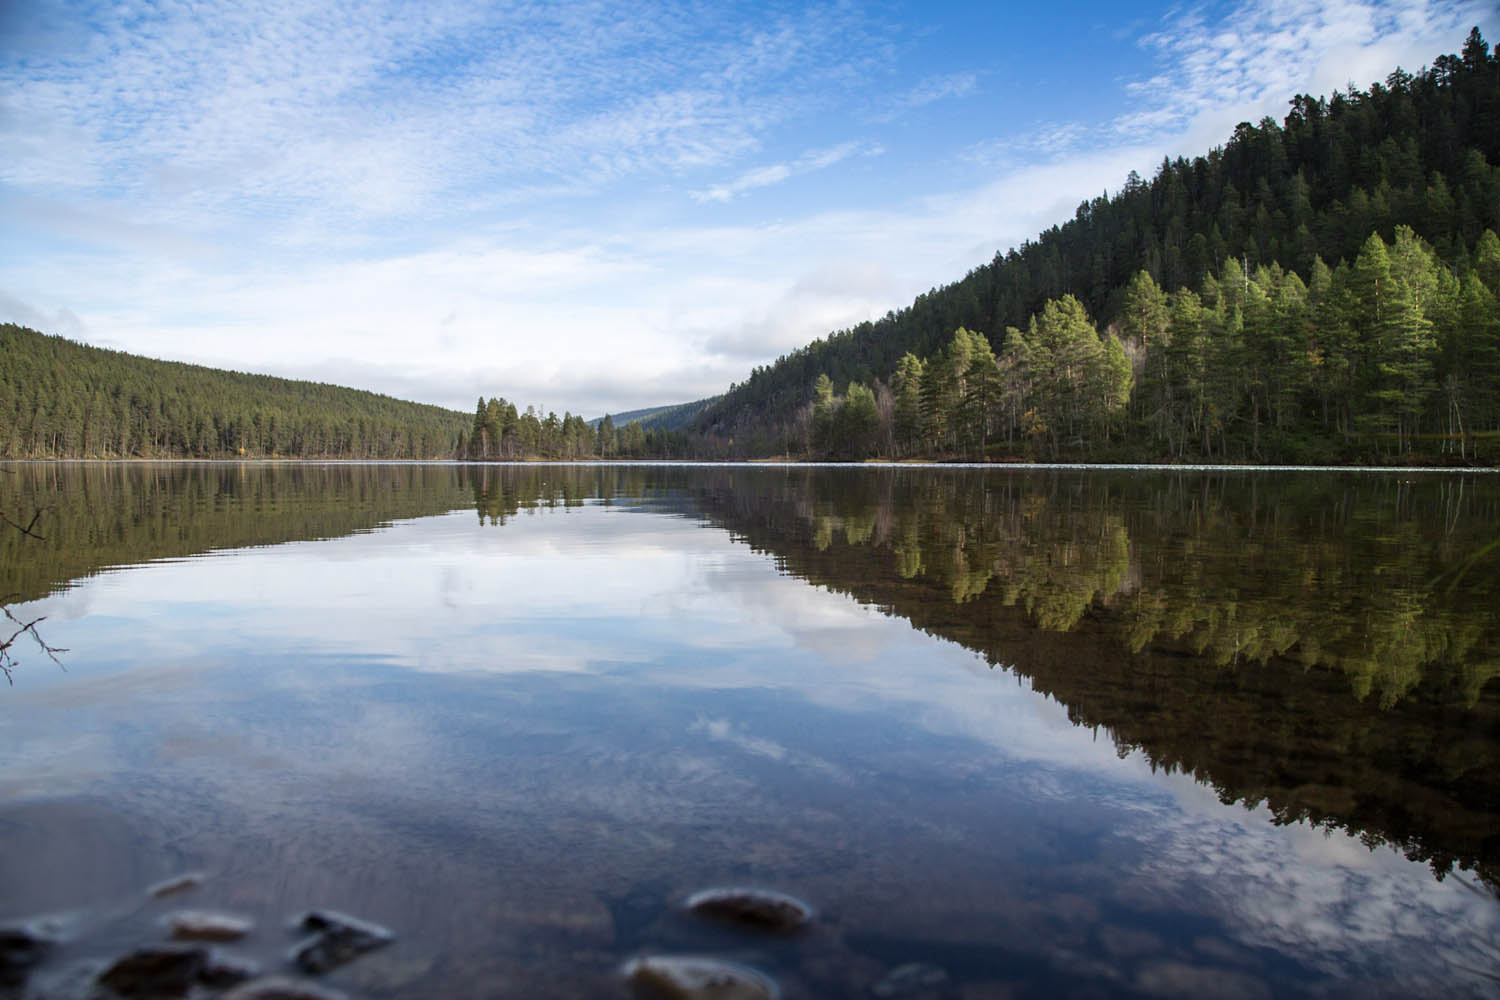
(27, 530)
(8, 659)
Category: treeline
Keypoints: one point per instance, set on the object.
(1421, 151)
(60, 399)
(1395, 356)
(501, 432)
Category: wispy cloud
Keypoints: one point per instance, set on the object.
(1249, 63)
(937, 88)
(775, 173)
(1046, 140)
(359, 111)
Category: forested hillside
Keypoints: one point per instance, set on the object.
(502, 432)
(667, 418)
(60, 399)
(1323, 288)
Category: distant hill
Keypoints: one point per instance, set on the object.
(664, 418)
(61, 399)
(1414, 161)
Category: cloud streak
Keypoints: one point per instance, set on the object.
(775, 173)
(356, 112)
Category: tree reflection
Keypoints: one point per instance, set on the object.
(1287, 638)
(1322, 645)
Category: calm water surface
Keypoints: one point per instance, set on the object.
(1053, 733)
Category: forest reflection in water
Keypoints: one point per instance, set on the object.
(1309, 647)
(1320, 642)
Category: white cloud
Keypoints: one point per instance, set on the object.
(356, 111)
(930, 91)
(1249, 64)
(775, 173)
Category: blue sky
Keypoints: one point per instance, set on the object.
(594, 206)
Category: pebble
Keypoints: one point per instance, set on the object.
(177, 883)
(221, 970)
(689, 977)
(202, 925)
(337, 938)
(281, 988)
(158, 971)
(757, 909)
(21, 947)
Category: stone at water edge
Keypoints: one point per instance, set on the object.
(757, 909)
(337, 938)
(167, 970)
(692, 977)
(281, 988)
(204, 925)
(222, 971)
(21, 947)
(177, 883)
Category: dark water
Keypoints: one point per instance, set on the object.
(1056, 733)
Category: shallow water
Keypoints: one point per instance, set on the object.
(1052, 732)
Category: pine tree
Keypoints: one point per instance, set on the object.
(906, 385)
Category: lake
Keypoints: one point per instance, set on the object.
(1008, 732)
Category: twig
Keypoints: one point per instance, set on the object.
(29, 525)
(8, 659)
(1464, 567)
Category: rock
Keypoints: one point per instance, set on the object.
(913, 981)
(21, 947)
(281, 988)
(160, 971)
(222, 971)
(203, 925)
(337, 938)
(756, 909)
(178, 883)
(690, 977)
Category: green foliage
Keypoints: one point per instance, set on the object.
(844, 427)
(1283, 365)
(60, 399)
(1395, 357)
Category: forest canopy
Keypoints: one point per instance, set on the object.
(1332, 277)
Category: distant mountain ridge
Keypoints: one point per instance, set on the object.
(672, 417)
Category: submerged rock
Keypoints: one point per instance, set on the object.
(914, 981)
(337, 938)
(203, 925)
(691, 977)
(281, 988)
(221, 970)
(21, 947)
(177, 883)
(159, 971)
(757, 909)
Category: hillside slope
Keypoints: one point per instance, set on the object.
(60, 399)
(1420, 150)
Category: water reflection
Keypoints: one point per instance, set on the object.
(1288, 638)
(523, 743)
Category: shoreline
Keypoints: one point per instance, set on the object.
(782, 462)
